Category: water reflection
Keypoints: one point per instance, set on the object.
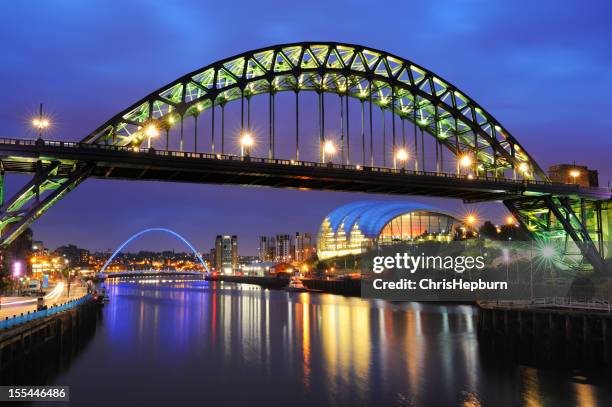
(236, 344)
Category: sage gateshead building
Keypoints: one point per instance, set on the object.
(356, 227)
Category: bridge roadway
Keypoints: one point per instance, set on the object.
(21, 156)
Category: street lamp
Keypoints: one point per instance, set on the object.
(401, 155)
(574, 174)
(171, 121)
(523, 168)
(151, 131)
(40, 123)
(329, 149)
(471, 219)
(246, 141)
(465, 161)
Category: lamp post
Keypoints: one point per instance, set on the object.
(328, 149)
(574, 173)
(40, 123)
(465, 161)
(402, 156)
(523, 169)
(246, 142)
(151, 132)
(510, 220)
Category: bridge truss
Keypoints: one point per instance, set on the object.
(486, 161)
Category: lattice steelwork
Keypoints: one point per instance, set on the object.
(412, 93)
(579, 228)
(374, 77)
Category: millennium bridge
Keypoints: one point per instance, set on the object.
(385, 125)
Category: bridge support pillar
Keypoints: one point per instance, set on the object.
(571, 220)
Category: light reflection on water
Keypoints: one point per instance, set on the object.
(217, 343)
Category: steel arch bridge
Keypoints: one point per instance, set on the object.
(149, 230)
(483, 160)
(401, 87)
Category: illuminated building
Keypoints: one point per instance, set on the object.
(226, 254)
(74, 254)
(304, 246)
(266, 248)
(573, 174)
(282, 251)
(38, 248)
(358, 226)
(83, 257)
(259, 268)
(47, 264)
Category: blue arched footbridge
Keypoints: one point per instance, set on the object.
(146, 231)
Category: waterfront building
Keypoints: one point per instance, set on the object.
(573, 174)
(356, 227)
(283, 248)
(75, 255)
(38, 248)
(263, 268)
(226, 254)
(83, 257)
(304, 246)
(266, 248)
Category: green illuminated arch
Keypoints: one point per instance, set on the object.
(409, 90)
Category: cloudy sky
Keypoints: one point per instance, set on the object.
(542, 68)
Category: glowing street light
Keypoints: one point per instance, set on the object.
(465, 161)
(151, 131)
(523, 168)
(575, 173)
(471, 220)
(246, 142)
(510, 220)
(329, 149)
(547, 251)
(40, 123)
(401, 155)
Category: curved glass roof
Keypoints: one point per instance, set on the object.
(372, 216)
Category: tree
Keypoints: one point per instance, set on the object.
(488, 230)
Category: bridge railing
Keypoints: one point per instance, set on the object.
(276, 161)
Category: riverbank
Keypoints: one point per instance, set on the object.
(30, 340)
(550, 337)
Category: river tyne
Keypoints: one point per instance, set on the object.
(202, 343)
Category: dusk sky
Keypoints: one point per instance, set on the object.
(542, 68)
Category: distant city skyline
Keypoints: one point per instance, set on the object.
(524, 68)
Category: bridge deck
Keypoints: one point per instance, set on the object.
(114, 162)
